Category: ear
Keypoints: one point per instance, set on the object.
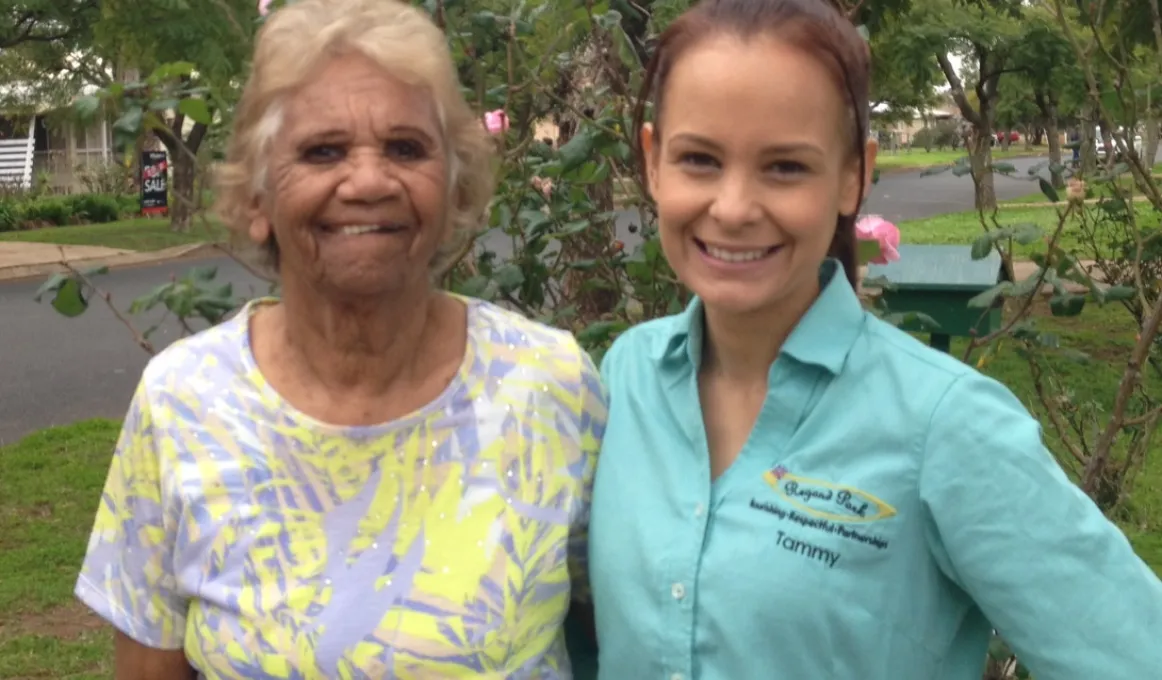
(650, 150)
(260, 228)
(849, 203)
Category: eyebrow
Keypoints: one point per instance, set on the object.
(337, 134)
(791, 147)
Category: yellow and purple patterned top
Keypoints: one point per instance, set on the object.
(269, 545)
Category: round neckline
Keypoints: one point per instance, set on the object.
(442, 401)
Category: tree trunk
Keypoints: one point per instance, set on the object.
(1054, 138)
(1088, 147)
(979, 121)
(183, 158)
(1048, 106)
(1151, 141)
(980, 158)
(183, 191)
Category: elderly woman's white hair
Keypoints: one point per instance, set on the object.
(400, 38)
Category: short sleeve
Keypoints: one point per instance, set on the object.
(593, 409)
(1059, 582)
(128, 577)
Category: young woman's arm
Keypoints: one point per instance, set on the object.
(1059, 582)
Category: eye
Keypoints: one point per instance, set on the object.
(788, 168)
(406, 150)
(697, 160)
(323, 153)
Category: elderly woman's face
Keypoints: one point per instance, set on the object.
(357, 188)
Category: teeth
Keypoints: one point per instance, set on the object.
(735, 256)
(356, 229)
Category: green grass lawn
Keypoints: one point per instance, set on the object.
(915, 159)
(49, 489)
(141, 234)
(52, 480)
(963, 228)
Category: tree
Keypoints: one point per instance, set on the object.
(46, 21)
(1047, 75)
(983, 33)
(166, 41)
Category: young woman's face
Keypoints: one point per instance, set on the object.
(750, 165)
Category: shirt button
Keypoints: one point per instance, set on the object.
(678, 591)
(698, 510)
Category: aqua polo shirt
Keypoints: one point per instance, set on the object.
(890, 508)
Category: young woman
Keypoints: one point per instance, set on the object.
(790, 488)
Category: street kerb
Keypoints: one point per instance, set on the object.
(188, 251)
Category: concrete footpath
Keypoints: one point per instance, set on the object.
(19, 260)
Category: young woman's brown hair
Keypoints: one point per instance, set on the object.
(813, 26)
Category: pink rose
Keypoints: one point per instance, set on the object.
(496, 121)
(876, 228)
(264, 7)
(543, 185)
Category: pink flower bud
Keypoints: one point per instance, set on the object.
(496, 121)
(876, 228)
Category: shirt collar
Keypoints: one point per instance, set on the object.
(823, 337)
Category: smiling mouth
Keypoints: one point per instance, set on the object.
(734, 255)
(358, 229)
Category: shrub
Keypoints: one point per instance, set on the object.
(9, 216)
(48, 210)
(96, 208)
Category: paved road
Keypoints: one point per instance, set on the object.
(55, 371)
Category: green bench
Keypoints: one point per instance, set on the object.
(938, 281)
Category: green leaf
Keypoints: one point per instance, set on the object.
(982, 246)
(578, 149)
(197, 110)
(87, 106)
(1118, 293)
(989, 297)
(508, 278)
(1048, 190)
(583, 265)
(1026, 233)
(70, 299)
(599, 332)
(203, 273)
(1066, 305)
(473, 287)
(535, 222)
(52, 285)
(164, 104)
(1005, 168)
(130, 122)
(961, 170)
(574, 227)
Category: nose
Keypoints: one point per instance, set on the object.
(734, 202)
(370, 178)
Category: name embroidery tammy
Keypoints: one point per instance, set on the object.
(828, 500)
(808, 550)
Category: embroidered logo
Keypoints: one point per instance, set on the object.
(828, 500)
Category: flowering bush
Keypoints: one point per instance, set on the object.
(570, 238)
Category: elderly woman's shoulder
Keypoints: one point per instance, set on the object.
(514, 331)
(213, 354)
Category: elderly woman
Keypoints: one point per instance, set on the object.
(366, 478)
